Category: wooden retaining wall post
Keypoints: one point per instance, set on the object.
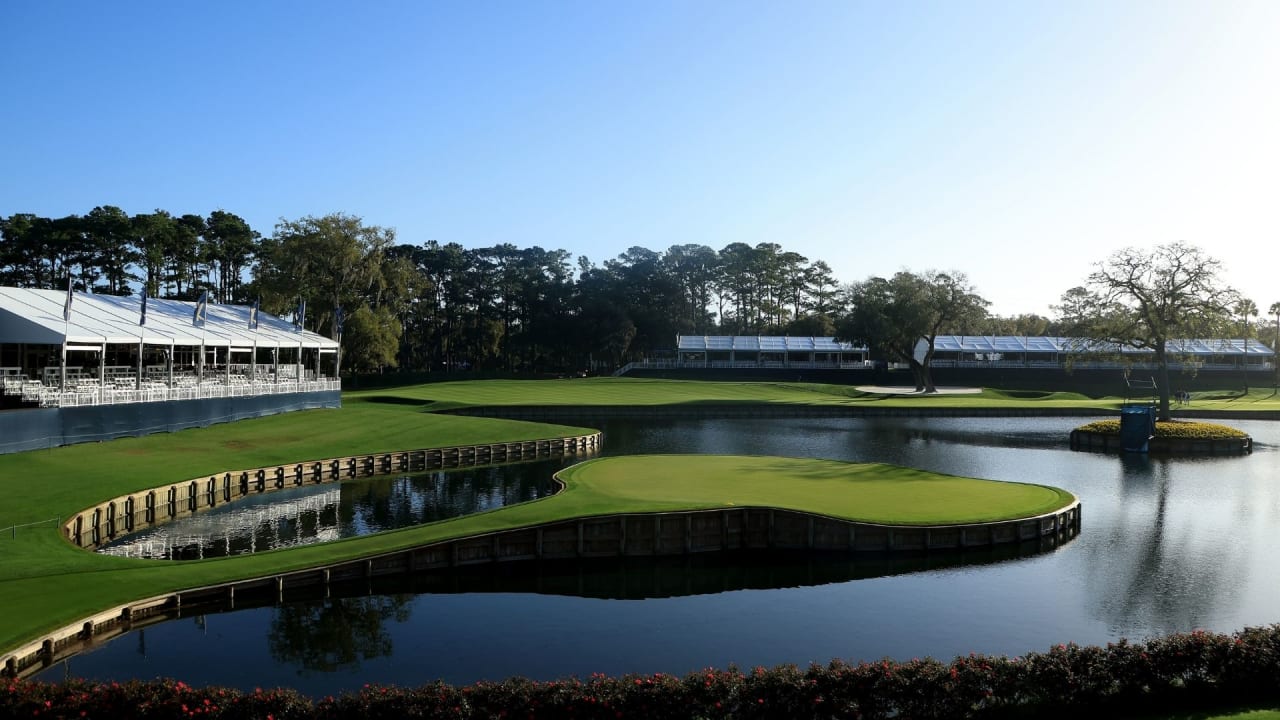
(122, 514)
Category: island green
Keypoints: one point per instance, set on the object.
(45, 582)
(863, 492)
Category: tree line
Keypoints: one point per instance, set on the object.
(432, 305)
(440, 306)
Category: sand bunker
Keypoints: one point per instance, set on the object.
(909, 390)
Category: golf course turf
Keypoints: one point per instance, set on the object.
(46, 583)
(864, 492)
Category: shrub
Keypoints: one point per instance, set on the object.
(1193, 669)
(1172, 429)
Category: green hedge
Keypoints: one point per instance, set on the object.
(1195, 669)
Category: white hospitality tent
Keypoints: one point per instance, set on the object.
(767, 350)
(35, 335)
(1054, 350)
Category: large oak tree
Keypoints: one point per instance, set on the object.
(893, 316)
(1144, 298)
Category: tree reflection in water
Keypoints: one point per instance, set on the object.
(335, 633)
(354, 622)
(415, 499)
(1167, 545)
(324, 513)
(1151, 572)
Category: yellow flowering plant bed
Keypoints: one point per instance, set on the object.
(1185, 429)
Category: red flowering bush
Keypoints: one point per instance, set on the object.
(1180, 671)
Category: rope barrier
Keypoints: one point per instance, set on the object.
(14, 528)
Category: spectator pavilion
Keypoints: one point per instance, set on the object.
(752, 351)
(109, 365)
(1055, 352)
(729, 352)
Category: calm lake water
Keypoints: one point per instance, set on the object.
(1167, 545)
(321, 513)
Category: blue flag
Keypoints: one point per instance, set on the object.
(253, 314)
(142, 320)
(300, 315)
(202, 309)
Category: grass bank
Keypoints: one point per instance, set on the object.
(45, 582)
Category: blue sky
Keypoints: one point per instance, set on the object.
(1018, 142)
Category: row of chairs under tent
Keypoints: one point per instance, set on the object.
(83, 388)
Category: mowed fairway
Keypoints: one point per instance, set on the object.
(866, 492)
(606, 392)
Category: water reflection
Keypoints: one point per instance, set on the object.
(334, 628)
(1167, 545)
(1150, 569)
(321, 513)
(321, 636)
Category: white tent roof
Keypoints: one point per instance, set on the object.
(35, 317)
(1019, 343)
(765, 343)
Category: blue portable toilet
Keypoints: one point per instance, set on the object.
(1137, 426)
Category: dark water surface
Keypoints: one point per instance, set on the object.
(1167, 545)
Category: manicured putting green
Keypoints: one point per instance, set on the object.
(866, 492)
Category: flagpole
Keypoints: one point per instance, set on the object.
(142, 340)
(253, 359)
(66, 330)
(337, 360)
(201, 316)
(301, 320)
(200, 373)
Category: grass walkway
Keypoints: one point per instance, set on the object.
(45, 582)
